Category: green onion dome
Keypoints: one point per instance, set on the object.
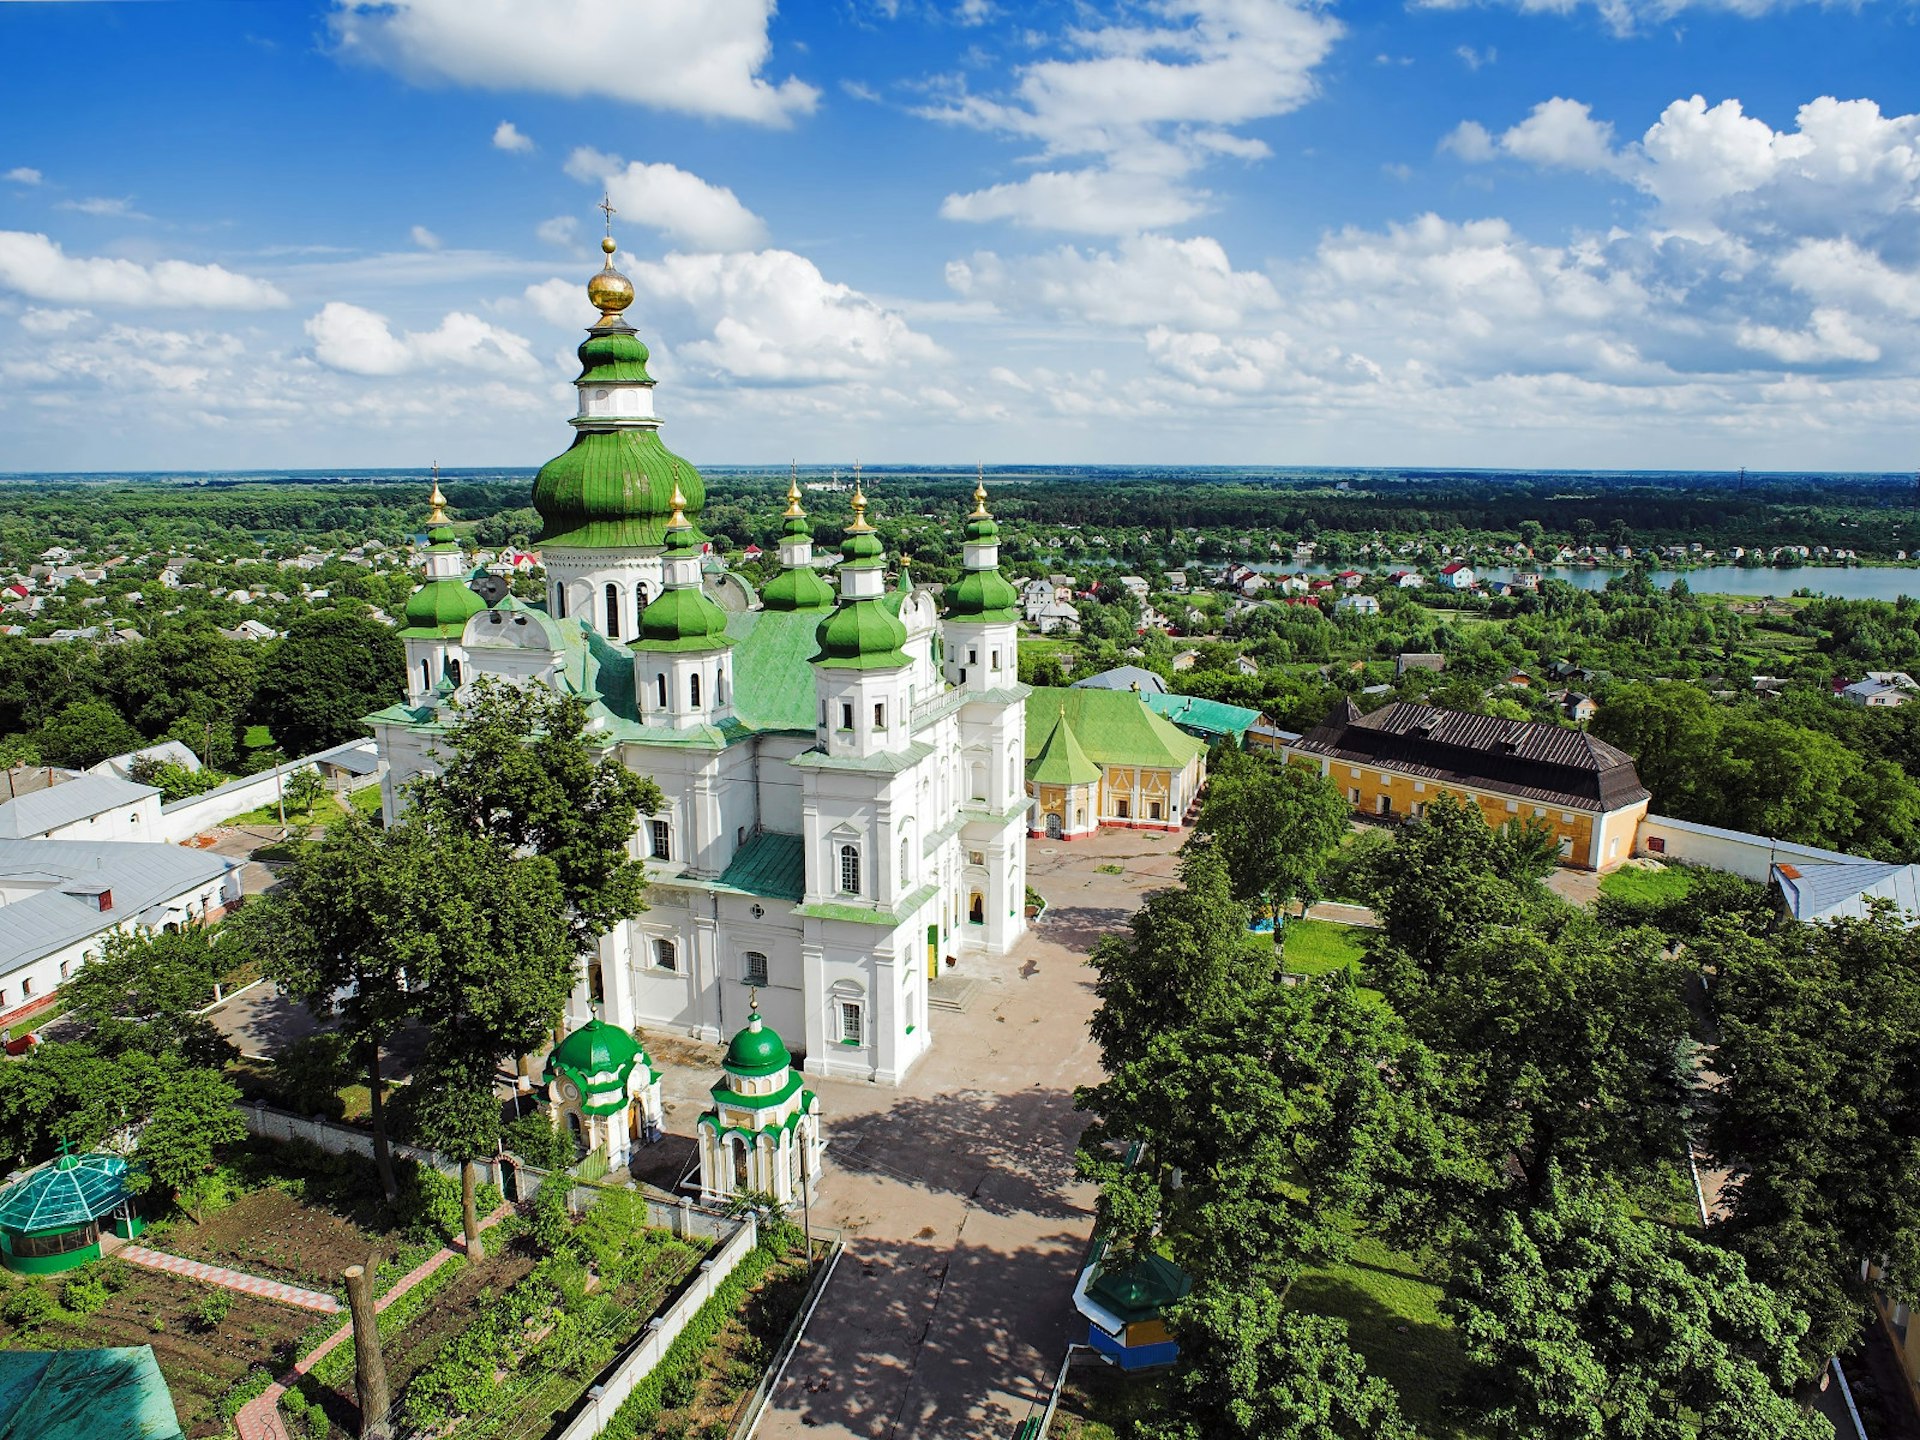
(442, 535)
(797, 588)
(682, 619)
(861, 635)
(598, 1059)
(862, 547)
(613, 355)
(440, 608)
(981, 527)
(756, 1051)
(982, 595)
(612, 489)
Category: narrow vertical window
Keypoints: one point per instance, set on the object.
(693, 690)
(660, 685)
(560, 602)
(613, 611)
(850, 869)
(662, 840)
(426, 675)
(852, 1023)
(846, 715)
(879, 714)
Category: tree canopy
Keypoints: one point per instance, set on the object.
(332, 669)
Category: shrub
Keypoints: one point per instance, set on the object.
(214, 1307)
(27, 1307)
(308, 1075)
(84, 1293)
(430, 1202)
(249, 1385)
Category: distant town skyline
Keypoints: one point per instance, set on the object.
(1521, 233)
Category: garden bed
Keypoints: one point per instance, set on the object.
(272, 1234)
(202, 1363)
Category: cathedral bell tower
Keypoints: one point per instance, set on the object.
(682, 671)
(437, 613)
(981, 630)
(861, 674)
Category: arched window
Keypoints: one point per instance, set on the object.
(596, 986)
(661, 686)
(426, 675)
(613, 611)
(753, 968)
(560, 602)
(453, 671)
(693, 689)
(903, 865)
(850, 869)
(639, 599)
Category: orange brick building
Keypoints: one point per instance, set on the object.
(1394, 761)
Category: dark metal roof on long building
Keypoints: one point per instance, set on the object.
(1527, 759)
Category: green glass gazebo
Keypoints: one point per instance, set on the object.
(52, 1219)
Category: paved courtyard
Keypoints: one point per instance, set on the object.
(965, 1225)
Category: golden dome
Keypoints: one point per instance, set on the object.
(610, 291)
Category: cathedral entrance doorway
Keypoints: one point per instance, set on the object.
(1053, 827)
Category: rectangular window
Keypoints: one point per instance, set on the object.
(26, 989)
(1566, 848)
(662, 840)
(1124, 809)
(973, 656)
(1657, 844)
(666, 956)
(1383, 804)
(1513, 807)
(753, 968)
(880, 715)
(846, 715)
(996, 661)
(851, 1027)
(1153, 811)
(1353, 795)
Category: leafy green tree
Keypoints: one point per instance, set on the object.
(193, 1117)
(66, 1090)
(332, 669)
(1819, 1117)
(303, 789)
(141, 991)
(518, 764)
(1181, 961)
(85, 733)
(1251, 1368)
(1274, 824)
(1580, 1322)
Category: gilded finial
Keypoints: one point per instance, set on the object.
(609, 290)
(605, 207)
(753, 1001)
(794, 511)
(980, 496)
(679, 503)
(437, 514)
(859, 502)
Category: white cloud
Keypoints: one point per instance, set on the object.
(1829, 336)
(36, 321)
(1627, 17)
(1562, 133)
(1152, 104)
(1146, 280)
(424, 238)
(105, 207)
(507, 136)
(1476, 59)
(1470, 141)
(701, 59)
(767, 317)
(360, 342)
(1092, 201)
(681, 206)
(23, 175)
(1839, 271)
(40, 269)
(561, 230)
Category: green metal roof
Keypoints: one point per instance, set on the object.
(599, 1058)
(1061, 760)
(756, 1051)
(862, 635)
(798, 588)
(773, 685)
(440, 608)
(1213, 717)
(682, 618)
(770, 864)
(84, 1395)
(1113, 726)
(982, 595)
(613, 488)
(63, 1195)
(613, 355)
(1142, 1290)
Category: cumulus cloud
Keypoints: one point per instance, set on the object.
(767, 317)
(700, 59)
(424, 238)
(507, 136)
(1150, 104)
(36, 321)
(1145, 280)
(359, 342)
(23, 175)
(1557, 134)
(40, 269)
(1626, 17)
(686, 209)
(561, 230)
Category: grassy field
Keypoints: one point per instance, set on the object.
(1647, 886)
(326, 810)
(1319, 947)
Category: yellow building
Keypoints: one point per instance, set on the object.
(1393, 762)
(1105, 758)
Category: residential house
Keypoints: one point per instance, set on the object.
(1580, 708)
(85, 807)
(1417, 660)
(1356, 605)
(1456, 575)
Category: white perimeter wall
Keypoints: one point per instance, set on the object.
(1751, 856)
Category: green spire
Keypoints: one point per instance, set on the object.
(982, 593)
(862, 633)
(757, 1051)
(441, 607)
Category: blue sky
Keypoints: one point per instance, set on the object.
(1638, 233)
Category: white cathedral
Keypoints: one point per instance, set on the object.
(843, 771)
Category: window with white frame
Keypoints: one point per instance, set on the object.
(666, 955)
(850, 869)
(662, 840)
(753, 968)
(905, 873)
(852, 1023)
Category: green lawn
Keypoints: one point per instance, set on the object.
(1378, 1292)
(258, 737)
(1647, 887)
(1318, 947)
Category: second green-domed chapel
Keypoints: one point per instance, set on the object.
(843, 765)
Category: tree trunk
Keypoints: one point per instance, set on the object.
(470, 1208)
(369, 1366)
(377, 1115)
